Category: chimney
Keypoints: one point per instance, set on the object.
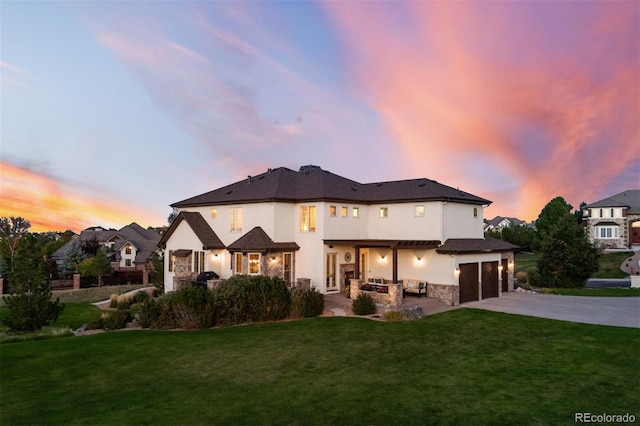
(249, 178)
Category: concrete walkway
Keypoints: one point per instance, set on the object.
(616, 311)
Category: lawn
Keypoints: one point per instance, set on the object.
(464, 366)
(608, 264)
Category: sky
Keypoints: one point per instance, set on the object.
(112, 111)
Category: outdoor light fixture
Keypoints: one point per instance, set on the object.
(511, 264)
(383, 259)
(457, 271)
(418, 260)
(500, 268)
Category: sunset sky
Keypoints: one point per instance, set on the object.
(111, 111)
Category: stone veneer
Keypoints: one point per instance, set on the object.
(392, 299)
(623, 240)
(448, 293)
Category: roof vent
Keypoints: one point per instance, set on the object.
(308, 169)
(249, 178)
(269, 170)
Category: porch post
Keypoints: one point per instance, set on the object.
(357, 262)
(394, 257)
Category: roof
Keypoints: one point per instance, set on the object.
(400, 244)
(199, 226)
(145, 240)
(258, 240)
(312, 183)
(629, 199)
(513, 221)
(475, 245)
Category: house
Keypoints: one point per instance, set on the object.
(314, 226)
(614, 222)
(498, 223)
(129, 247)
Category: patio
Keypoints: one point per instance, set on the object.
(337, 304)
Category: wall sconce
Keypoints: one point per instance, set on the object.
(383, 260)
(274, 260)
(500, 268)
(511, 265)
(457, 271)
(418, 261)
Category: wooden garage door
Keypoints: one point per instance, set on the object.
(505, 275)
(489, 279)
(468, 282)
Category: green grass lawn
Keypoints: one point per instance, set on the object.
(608, 264)
(597, 292)
(465, 366)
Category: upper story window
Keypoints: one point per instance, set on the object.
(127, 249)
(235, 219)
(601, 213)
(344, 211)
(214, 213)
(332, 211)
(475, 212)
(308, 219)
(419, 211)
(612, 215)
(355, 212)
(384, 212)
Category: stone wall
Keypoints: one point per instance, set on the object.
(448, 293)
(392, 299)
(624, 237)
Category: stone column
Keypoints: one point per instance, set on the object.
(145, 277)
(76, 281)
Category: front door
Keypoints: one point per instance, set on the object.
(332, 263)
(635, 234)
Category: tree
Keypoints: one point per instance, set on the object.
(567, 258)
(72, 259)
(172, 216)
(11, 230)
(550, 214)
(96, 266)
(155, 268)
(30, 307)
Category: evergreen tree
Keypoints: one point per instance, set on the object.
(30, 307)
(550, 214)
(72, 259)
(96, 266)
(567, 258)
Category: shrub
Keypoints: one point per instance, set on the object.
(189, 308)
(123, 302)
(141, 297)
(147, 313)
(114, 320)
(113, 300)
(522, 277)
(395, 316)
(306, 303)
(363, 305)
(535, 280)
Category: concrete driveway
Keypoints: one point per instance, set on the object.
(617, 311)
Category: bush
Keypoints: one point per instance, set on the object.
(141, 297)
(522, 277)
(189, 308)
(363, 305)
(147, 313)
(395, 316)
(306, 303)
(111, 320)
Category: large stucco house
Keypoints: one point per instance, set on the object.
(317, 227)
(614, 222)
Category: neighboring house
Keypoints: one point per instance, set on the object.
(312, 225)
(129, 247)
(614, 222)
(498, 223)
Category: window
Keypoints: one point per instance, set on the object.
(611, 212)
(235, 220)
(384, 212)
(214, 213)
(344, 211)
(601, 215)
(607, 232)
(419, 211)
(355, 212)
(127, 249)
(238, 263)
(332, 211)
(198, 261)
(171, 260)
(307, 219)
(475, 212)
(127, 262)
(254, 263)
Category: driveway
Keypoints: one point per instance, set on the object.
(616, 311)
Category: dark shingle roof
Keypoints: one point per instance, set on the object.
(200, 227)
(311, 183)
(258, 240)
(475, 245)
(629, 198)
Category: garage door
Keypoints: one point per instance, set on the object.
(468, 282)
(505, 275)
(489, 279)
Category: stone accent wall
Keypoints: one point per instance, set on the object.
(392, 299)
(182, 281)
(76, 281)
(510, 261)
(624, 237)
(448, 293)
(213, 284)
